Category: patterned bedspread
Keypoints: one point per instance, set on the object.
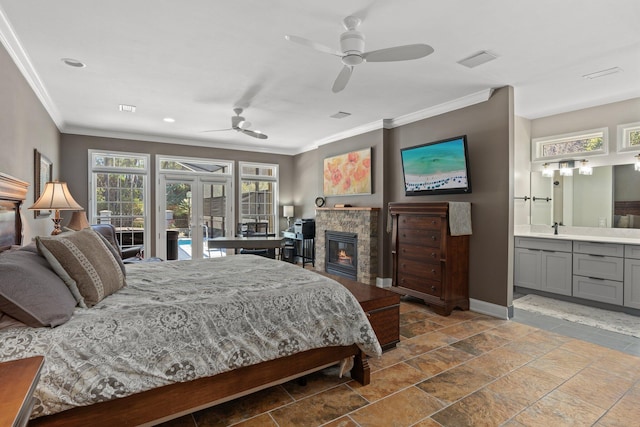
(178, 321)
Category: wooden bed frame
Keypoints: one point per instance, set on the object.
(174, 400)
(626, 208)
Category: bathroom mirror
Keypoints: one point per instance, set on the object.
(602, 199)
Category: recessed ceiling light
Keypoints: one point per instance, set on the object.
(73, 63)
(127, 108)
(476, 59)
(340, 115)
(603, 73)
(169, 120)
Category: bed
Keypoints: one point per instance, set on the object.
(185, 335)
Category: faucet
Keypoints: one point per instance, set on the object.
(555, 228)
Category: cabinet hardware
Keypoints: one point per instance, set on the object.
(596, 278)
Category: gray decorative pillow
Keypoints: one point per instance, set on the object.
(31, 292)
(86, 264)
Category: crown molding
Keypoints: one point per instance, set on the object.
(226, 145)
(21, 59)
(445, 107)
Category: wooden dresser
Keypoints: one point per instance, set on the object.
(428, 262)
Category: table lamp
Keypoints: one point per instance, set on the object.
(287, 211)
(56, 197)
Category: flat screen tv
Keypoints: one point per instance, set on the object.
(439, 167)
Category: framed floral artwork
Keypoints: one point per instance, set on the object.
(43, 173)
(348, 174)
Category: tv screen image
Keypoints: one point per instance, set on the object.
(439, 167)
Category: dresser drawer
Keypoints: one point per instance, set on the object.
(609, 291)
(601, 267)
(416, 222)
(424, 237)
(543, 244)
(421, 284)
(597, 248)
(632, 251)
(418, 269)
(419, 253)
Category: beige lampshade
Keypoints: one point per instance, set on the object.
(287, 211)
(56, 196)
(78, 221)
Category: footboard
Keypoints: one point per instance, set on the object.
(172, 401)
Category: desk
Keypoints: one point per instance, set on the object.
(304, 246)
(253, 242)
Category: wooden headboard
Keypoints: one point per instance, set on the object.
(12, 193)
(627, 208)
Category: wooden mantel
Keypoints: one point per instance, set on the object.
(352, 208)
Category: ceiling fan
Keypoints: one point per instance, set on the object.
(239, 124)
(352, 51)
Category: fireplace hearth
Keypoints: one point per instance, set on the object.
(341, 254)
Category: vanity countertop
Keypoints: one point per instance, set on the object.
(564, 236)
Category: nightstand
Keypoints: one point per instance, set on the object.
(18, 380)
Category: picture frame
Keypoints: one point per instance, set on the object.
(347, 174)
(43, 173)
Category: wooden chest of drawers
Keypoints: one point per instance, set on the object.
(428, 262)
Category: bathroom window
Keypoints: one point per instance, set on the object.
(629, 137)
(583, 143)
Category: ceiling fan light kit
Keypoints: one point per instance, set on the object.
(352, 52)
(240, 124)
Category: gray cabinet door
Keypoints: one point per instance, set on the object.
(527, 268)
(632, 283)
(556, 272)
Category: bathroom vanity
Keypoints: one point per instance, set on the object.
(604, 269)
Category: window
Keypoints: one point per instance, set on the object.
(582, 143)
(259, 194)
(119, 194)
(629, 137)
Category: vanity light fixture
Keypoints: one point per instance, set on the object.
(566, 167)
(585, 169)
(547, 172)
(637, 166)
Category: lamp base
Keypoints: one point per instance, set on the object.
(56, 226)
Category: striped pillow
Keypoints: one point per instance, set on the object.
(85, 263)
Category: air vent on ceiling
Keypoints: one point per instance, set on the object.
(340, 115)
(127, 108)
(477, 59)
(603, 73)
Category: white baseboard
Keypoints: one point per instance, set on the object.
(490, 309)
(382, 282)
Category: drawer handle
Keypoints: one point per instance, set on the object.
(598, 256)
(433, 237)
(596, 278)
(368, 314)
(433, 288)
(433, 271)
(434, 255)
(433, 221)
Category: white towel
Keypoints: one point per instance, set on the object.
(459, 218)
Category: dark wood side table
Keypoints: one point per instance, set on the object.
(18, 380)
(382, 307)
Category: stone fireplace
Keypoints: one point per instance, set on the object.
(359, 221)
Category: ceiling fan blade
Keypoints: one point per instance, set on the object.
(216, 130)
(342, 79)
(313, 45)
(244, 124)
(254, 133)
(398, 53)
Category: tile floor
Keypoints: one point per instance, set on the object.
(466, 369)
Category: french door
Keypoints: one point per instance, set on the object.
(192, 210)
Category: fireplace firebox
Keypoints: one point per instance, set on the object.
(341, 254)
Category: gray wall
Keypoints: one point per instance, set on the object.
(75, 171)
(489, 129)
(25, 125)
